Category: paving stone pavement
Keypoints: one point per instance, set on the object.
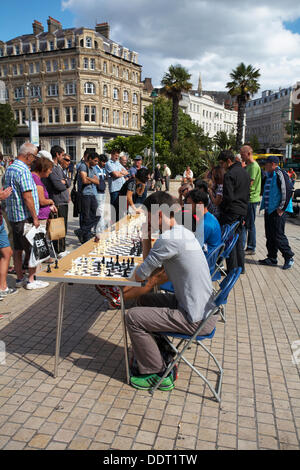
(89, 405)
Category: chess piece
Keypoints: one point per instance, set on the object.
(49, 269)
(56, 264)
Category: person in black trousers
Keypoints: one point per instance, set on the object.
(234, 205)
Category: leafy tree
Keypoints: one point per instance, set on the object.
(243, 85)
(118, 144)
(174, 82)
(8, 124)
(254, 142)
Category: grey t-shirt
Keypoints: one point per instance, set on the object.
(178, 251)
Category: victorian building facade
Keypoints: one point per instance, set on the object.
(80, 86)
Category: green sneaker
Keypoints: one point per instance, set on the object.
(146, 382)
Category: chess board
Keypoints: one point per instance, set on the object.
(102, 267)
(123, 246)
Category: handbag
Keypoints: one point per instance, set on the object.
(40, 251)
(56, 228)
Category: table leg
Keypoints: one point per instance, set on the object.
(61, 301)
(124, 335)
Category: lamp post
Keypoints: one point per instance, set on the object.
(292, 128)
(29, 108)
(154, 94)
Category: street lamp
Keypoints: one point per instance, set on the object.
(154, 95)
(292, 129)
(29, 108)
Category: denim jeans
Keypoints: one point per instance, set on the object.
(100, 212)
(249, 228)
(89, 218)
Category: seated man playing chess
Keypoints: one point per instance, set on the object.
(178, 252)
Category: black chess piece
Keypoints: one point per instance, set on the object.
(56, 264)
(125, 273)
(132, 261)
(108, 273)
(49, 269)
(103, 260)
(117, 260)
(123, 264)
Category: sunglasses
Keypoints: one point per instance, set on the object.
(67, 160)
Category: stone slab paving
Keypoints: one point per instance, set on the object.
(89, 405)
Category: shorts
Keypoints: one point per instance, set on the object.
(20, 241)
(4, 242)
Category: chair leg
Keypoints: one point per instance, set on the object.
(222, 312)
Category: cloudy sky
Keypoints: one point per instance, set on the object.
(208, 37)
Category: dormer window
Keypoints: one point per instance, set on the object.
(1, 52)
(51, 45)
(69, 43)
(33, 47)
(17, 50)
(88, 42)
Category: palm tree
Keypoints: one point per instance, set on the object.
(174, 82)
(244, 84)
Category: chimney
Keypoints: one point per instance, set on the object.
(53, 25)
(103, 28)
(37, 27)
(148, 85)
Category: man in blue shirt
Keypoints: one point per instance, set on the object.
(208, 230)
(116, 178)
(138, 164)
(100, 196)
(276, 202)
(87, 186)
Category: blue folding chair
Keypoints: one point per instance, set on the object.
(212, 259)
(187, 341)
(228, 230)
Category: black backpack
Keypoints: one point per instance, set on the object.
(288, 185)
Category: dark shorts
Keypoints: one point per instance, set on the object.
(20, 241)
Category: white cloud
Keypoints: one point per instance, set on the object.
(208, 37)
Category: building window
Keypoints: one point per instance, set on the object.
(88, 42)
(21, 69)
(19, 92)
(105, 90)
(92, 64)
(116, 117)
(71, 147)
(40, 115)
(73, 63)
(31, 68)
(125, 119)
(125, 95)
(4, 70)
(6, 146)
(53, 89)
(68, 114)
(51, 45)
(117, 71)
(17, 116)
(1, 52)
(134, 98)
(17, 50)
(66, 64)
(37, 67)
(89, 88)
(33, 47)
(93, 113)
(69, 43)
(48, 66)
(15, 70)
(50, 115)
(35, 91)
(74, 113)
(85, 63)
(134, 120)
(105, 67)
(87, 114)
(55, 66)
(116, 94)
(105, 115)
(70, 88)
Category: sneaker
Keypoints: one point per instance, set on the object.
(249, 251)
(112, 294)
(36, 285)
(7, 291)
(63, 253)
(146, 382)
(268, 262)
(21, 282)
(288, 263)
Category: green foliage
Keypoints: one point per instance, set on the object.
(118, 144)
(254, 142)
(8, 125)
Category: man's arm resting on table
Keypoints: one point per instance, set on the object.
(157, 277)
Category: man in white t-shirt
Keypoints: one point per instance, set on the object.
(167, 176)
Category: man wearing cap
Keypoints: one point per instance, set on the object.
(116, 174)
(276, 201)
